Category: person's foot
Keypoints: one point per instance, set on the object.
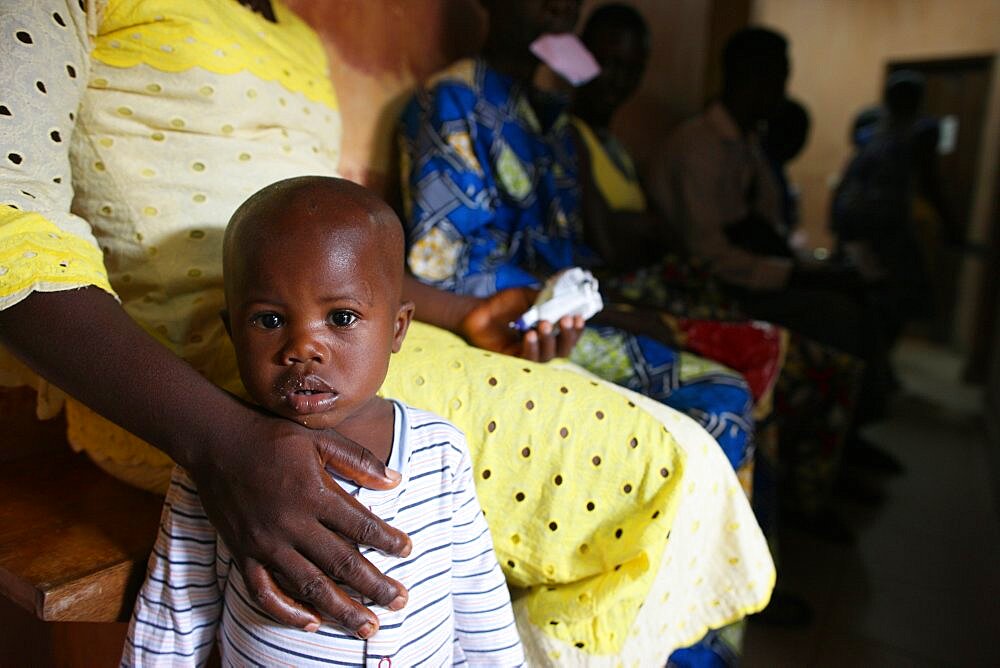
(785, 610)
(863, 454)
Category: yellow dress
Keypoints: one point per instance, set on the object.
(182, 108)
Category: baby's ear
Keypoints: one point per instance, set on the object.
(224, 315)
(403, 319)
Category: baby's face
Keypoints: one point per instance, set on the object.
(314, 320)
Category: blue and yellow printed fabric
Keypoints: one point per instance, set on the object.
(490, 184)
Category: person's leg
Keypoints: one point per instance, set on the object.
(819, 386)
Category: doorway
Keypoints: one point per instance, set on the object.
(956, 94)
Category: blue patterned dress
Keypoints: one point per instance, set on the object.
(492, 199)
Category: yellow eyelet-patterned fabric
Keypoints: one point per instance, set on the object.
(210, 35)
(37, 255)
(713, 545)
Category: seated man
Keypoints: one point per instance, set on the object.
(710, 178)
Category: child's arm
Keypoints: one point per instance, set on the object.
(484, 620)
(178, 609)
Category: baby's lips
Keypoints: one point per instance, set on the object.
(307, 404)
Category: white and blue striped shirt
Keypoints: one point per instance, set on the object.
(458, 611)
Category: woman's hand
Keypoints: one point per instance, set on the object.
(487, 326)
(287, 523)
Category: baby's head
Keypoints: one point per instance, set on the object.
(313, 272)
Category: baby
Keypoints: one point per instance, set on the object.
(313, 280)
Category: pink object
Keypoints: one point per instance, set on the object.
(567, 56)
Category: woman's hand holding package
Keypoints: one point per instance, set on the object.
(487, 326)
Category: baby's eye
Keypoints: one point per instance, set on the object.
(343, 318)
(267, 320)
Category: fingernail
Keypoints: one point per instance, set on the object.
(367, 630)
(398, 603)
(311, 627)
(393, 475)
(405, 552)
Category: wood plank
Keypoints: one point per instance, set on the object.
(73, 540)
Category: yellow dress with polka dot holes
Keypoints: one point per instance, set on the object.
(36, 254)
(578, 484)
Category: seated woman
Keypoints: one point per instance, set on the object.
(617, 221)
(132, 133)
(492, 203)
(812, 418)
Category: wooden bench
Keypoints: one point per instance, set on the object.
(73, 548)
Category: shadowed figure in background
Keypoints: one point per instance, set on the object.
(787, 132)
(711, 180)
(873, 207)
(812, 418)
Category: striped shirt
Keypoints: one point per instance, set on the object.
(458, 611)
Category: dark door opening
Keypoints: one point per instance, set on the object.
(957, 90)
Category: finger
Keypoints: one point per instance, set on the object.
(344, 563)
(569, 333)
(266, 594)
(529, 346)
(354, 462)
(345, 515)
(546, 341)
(306, 583)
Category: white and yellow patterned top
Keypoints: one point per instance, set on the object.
(132, 129)
(181, 111)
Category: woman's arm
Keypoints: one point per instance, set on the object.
(485, 322)
(261, 479)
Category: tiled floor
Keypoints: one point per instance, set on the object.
(921, 586)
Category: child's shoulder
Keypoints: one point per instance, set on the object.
(418, 419)
(424, 426)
